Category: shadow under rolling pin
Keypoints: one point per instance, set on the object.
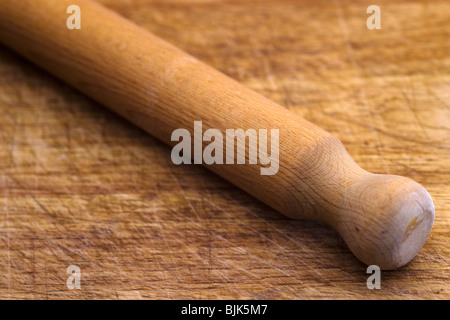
(384, 219)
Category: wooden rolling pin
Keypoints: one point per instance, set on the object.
(384, 219)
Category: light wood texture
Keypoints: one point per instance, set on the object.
(384, 219)
(152, 241)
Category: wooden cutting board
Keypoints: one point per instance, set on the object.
(80, 186)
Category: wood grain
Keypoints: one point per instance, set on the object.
(81, 186)
(384, 219)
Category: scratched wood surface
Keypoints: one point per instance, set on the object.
(80, 186)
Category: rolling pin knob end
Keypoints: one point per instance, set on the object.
(387, 220)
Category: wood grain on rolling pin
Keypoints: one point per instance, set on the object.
(351, 128)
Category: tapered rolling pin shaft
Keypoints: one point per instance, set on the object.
(384, 219)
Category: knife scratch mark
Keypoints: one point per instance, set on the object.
(254, 256)
(157, 218)
(7, 232)
(184, 193)
(357, 68)
(410, 102)
(283, 249)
